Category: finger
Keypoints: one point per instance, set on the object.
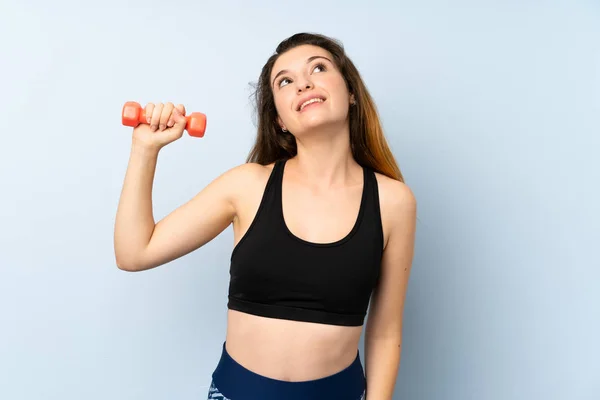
(178, 108)
(156, 116)
(179, 119)
(171, 121)
(148, 111)
(165, 116)
(181, 108)
(179, 126)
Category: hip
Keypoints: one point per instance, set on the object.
(233, 381)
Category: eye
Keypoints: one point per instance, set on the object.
(320, 66)
(281, 80)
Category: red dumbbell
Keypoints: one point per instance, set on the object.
(133, 114)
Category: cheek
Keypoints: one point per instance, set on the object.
(282, 105)
(336, 87)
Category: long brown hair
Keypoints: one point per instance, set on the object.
(367, 141)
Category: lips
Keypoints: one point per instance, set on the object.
(308, 101)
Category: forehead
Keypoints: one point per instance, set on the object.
(296, 58)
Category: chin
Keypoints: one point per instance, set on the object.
(316, 122)
(316, 127)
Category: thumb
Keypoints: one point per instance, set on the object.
(179, 118)
(176, 131)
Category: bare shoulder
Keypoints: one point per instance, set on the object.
(246, 179)
(395, 195)
(231, 186)
(247, 175)
(398, 204)
(249, 171)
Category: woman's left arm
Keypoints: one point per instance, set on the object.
(383, 334)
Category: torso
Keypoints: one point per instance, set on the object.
(284, 349)
(290, 350)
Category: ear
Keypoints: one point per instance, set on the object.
(281, 124)
(352, 99)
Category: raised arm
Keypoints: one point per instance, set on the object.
(139, 242)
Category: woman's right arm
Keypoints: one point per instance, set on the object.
(139, 242)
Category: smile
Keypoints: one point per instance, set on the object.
(311, 101)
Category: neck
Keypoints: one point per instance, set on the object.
(325, 159)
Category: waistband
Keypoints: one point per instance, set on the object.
(238, 383)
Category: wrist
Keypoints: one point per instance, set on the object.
(144, 149)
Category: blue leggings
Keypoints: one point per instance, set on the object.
(231, 381)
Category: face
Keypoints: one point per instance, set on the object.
(309, 90)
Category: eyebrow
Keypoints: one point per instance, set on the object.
(283, 71)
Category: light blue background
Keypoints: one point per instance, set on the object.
(492, 110)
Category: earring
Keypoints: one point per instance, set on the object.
(283, 129)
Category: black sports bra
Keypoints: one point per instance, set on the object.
(275, 274)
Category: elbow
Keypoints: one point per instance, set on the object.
(133, 264)
(126, 258)
(128, 264)
(125, 266)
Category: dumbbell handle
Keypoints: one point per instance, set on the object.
(133, 114)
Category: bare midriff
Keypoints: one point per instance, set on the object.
(287, 350)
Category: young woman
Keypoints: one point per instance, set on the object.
(323, 223)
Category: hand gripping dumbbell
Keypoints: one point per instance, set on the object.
(133, 114)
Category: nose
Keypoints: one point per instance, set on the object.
(304, 85)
